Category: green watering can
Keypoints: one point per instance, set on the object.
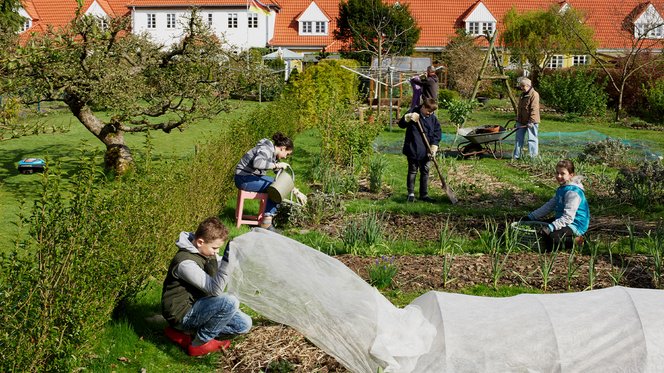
(282, 187)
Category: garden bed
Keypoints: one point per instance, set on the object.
(278, 348)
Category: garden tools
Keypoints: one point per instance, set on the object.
(446, 187)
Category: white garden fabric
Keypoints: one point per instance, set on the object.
(610, 330)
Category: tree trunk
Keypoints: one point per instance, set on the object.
(118, 155)
(620, 100)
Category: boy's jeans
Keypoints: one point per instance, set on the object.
(533, 144)
(254, 183)
(215, 315)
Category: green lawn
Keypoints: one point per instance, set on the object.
(136, 342)
(65, 149)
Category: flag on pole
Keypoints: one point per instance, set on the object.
(258, 7)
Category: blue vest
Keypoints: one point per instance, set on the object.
(582, 218)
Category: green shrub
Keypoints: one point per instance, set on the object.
(575, 90)
(609, 151)
(320, 207)
(655, 97)
(460, 111)
(93, 245)
(445, 96)
(642, 186)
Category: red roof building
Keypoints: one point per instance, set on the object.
(307, 25)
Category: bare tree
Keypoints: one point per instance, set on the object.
(642, 32)
(115, 82)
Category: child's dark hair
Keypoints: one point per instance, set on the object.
(212, 229)
(566, 164)
(431, 104)
(279, 139)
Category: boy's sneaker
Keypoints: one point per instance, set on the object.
(177, 336)
(211, 346)
(427, 199)
(410, 198)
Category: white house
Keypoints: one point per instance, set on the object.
(235, 22)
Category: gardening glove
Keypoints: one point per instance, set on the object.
(301, 197)
(280, 165)
(434, 150)
(412, 117)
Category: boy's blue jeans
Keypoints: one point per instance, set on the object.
(215, 315)
(254, 183)
(533, 143)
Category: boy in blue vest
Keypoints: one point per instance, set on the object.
(193, 301)
(570, 208)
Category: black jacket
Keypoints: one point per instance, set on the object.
(413, 145)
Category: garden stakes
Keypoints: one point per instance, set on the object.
(446, 187)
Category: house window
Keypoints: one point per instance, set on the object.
(579, 60)
(321, 27)
(170, 20)
(473, 28)
(209, 19)
(27, 23)
(556, 62)
(152, 20)
(232, 20)
(649, 30)
(307, 27)
(480, 28)
(253, 20)
(487, 28)
(103, 23)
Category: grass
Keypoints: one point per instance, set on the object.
(136, 342)
(64, 149)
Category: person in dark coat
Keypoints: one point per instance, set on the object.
(424, 87)
(416, 150)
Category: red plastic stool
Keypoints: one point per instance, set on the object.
(239, 208)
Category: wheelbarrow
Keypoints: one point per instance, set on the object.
(484, 140)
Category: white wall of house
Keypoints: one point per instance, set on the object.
(237, 27)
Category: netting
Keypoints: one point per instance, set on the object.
(610, 330)
(571, 142)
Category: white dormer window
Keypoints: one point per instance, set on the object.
(650, 24)
(480, 21)
(27, 23)
(103, 23)
(313, 21)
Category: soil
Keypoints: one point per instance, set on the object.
(278, 348)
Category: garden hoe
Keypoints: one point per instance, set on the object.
(448, 189)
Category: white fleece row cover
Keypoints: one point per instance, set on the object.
(610, 330)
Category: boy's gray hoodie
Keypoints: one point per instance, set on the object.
(190, 272)
(257, 160)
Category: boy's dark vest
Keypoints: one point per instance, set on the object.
(178, 296)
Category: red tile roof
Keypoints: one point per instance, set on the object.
(286, 25)
(439, 19)
(189, 3)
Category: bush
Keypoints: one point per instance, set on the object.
(643, 186)
(655, 97)
(93, 245)
(382, 272)
(320, 207)
(610, 152)
(377, 165)
(445, 96)
(574, 90)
